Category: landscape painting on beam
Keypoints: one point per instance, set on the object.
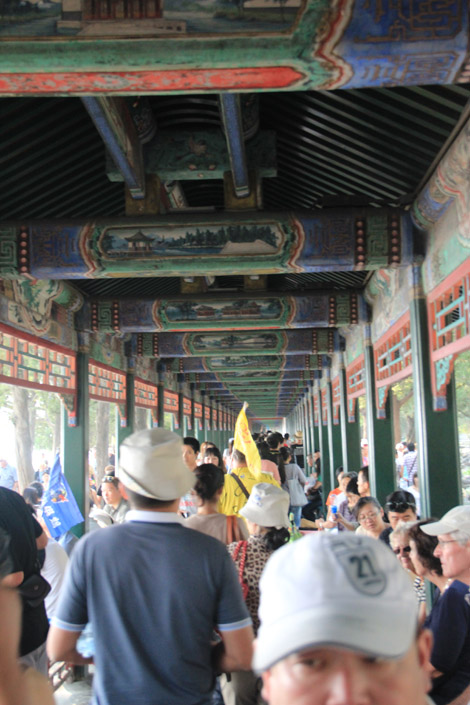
(250, 343)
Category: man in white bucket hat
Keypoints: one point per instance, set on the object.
(153, 591)
(339, 626)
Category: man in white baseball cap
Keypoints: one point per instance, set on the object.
(453, 549)
(153, 628)
(339, 626)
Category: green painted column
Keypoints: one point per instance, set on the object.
(331, 448)
(315, 429)
(436, 431)
(380, 431)
(194, 421)
(350, 431)
(180, 429)
(308, 439)
(122, 432)
(75, 443)
(324, 450)
(161, 399)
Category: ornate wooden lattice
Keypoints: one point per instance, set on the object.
(336, 399)
(187, 411)
(214, 419)
(207, 417)
(355, 385)
(198, 415)
(324, 406)
(27, 361)
(393, 360)
(316, 414)
(108, 384)
(171, 405)
(449, 329)
(146, 396)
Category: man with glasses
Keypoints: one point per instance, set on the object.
(399, 506)
(453, 548)
(351, 640)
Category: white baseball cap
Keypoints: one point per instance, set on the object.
(456, 518)
(267, 505)
(343, 591)
(151, 464)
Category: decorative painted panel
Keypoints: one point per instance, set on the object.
(336, 399)
(214, 420)
(355, 385)
(170, 401)
(27, 361)
(146, 396)
(393, 360)
(207, 417)
(315, 44)
(449, 329)
(254, 243)
(388, 293)
(274, 342)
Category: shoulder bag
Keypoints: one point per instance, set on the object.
(241, 547)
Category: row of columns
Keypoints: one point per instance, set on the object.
(436, 431)
(75, 440)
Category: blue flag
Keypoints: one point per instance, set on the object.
(59, 508)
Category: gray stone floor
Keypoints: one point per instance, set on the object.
(78, 693)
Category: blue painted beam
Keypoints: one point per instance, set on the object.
(232, 121)
(114, 123)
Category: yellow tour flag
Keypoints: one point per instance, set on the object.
(243, 441)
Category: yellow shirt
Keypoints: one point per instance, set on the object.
(233, 498)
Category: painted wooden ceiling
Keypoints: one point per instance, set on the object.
(371, 147)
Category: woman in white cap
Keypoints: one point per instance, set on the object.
(266, 514)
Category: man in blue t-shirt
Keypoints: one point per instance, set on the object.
(153, 591)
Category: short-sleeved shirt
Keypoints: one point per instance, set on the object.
(233, 498)
(449, 621)
(8, 477)
(118, 514)
(18, 522)
(153, 591)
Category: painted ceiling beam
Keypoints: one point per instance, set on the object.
(320, 309)
(447, 183)
(115, 125)
(232, 121)
(225, 364)
(194, 155)
(254, 243)
(321, 45)
(286, 342)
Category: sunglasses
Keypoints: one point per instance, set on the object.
(110, 478)
(400, 506)
(403, 549)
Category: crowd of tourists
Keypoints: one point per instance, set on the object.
(196, 553)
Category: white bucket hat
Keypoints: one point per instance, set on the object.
(151, 464)
(267, 505)
(347, 592)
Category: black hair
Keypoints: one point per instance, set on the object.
(286, 436)
(352, 486)
(275, 538)
(285, 453)
(215, 452)
(273, 441)
(401, 497)
(139, 501)
(425, 546)
(362, 503)
(411, 447)
(365, 472)
(39, 487)
(193, 442)
(338, 471)
(210, 478)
